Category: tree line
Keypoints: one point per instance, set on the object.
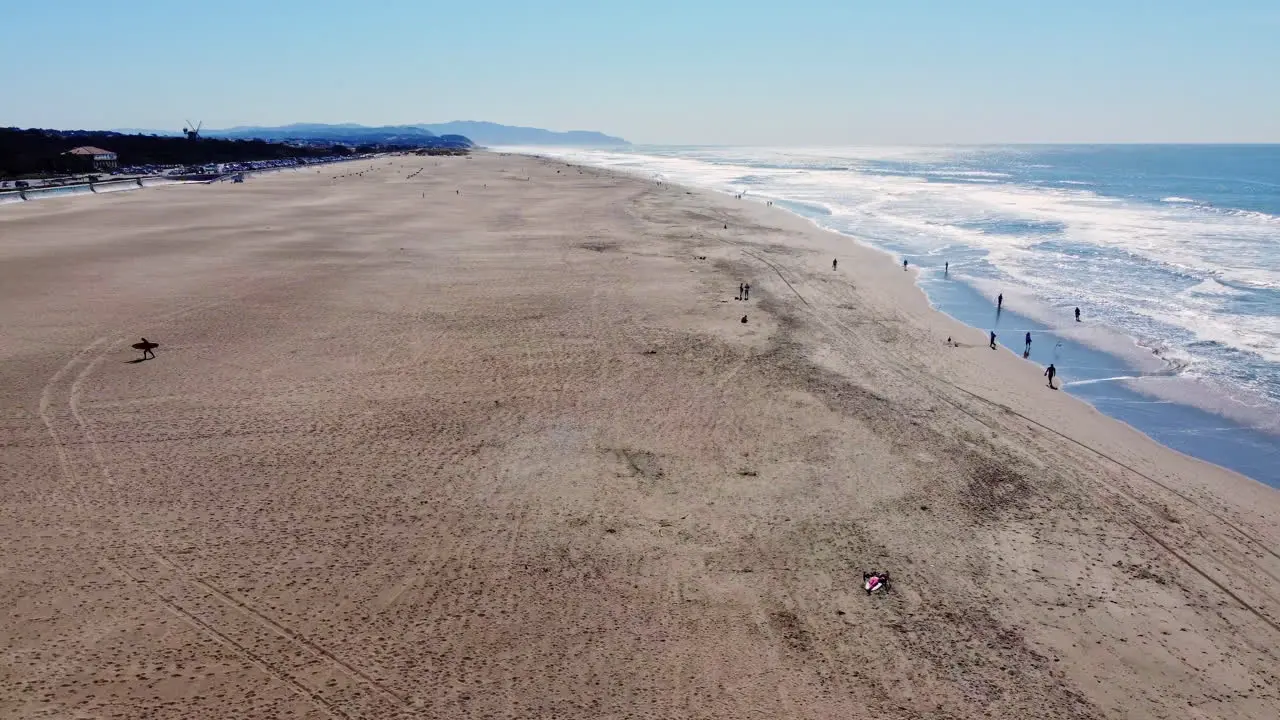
(37, 152)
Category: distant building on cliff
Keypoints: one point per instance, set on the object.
(88, 157)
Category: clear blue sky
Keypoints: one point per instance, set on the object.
(692, 71)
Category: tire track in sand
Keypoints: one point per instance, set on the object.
(285, 631)
(64, 446)
(76, 496)
(229, 643)
(70, 477)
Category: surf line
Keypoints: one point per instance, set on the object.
(1074, 383)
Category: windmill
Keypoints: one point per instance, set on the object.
(192, 130)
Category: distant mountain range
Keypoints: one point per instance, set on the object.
(479, 133)
(487, 133)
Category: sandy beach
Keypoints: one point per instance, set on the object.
(489, 438)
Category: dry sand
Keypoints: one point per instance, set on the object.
(492, 442)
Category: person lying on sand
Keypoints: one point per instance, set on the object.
(873, 581)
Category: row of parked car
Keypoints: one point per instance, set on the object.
(146, 170)
(235, 167)
(286, 163)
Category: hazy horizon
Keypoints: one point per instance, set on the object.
(663, 73)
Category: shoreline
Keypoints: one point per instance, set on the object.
(1219, 436)
(974, 330)
(449, 437)
(1100, 379)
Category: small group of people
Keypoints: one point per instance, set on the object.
(1000, 298)
(1050, 372)
(744, 291)
(1026, 353)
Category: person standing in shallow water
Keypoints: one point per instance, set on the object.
(1050, 372)
(1027, 350)
(1077, 314)
(946, 269)
(904, 263)
(1000, 302)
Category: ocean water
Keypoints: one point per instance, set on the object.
(1172, 253)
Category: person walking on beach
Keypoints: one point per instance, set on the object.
(904, 263)
(1027, 350)
(999, 302)
(833, 264)
(993, 339)
(1077, 314)
(147, 347)
(1049, 373)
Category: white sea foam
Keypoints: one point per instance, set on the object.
(1213, 288)
(1177, 200)
(1209, 394)
(961, 172)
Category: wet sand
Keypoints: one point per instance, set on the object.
(492, 441)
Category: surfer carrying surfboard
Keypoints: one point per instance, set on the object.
(147, 347)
